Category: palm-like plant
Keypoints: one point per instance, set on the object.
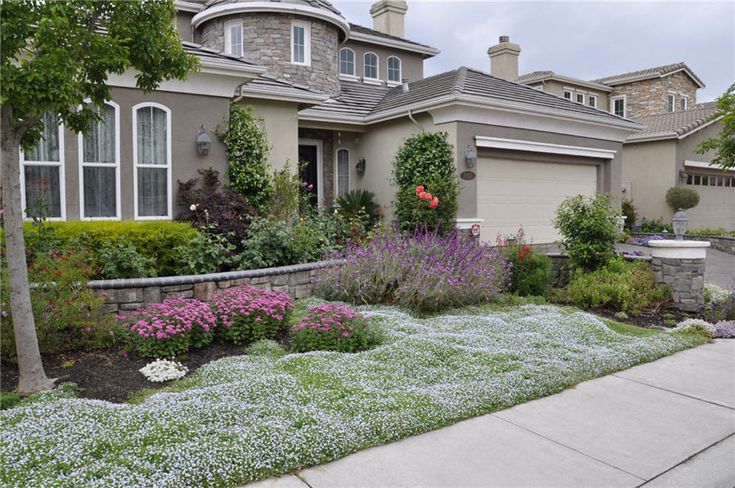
(357, 203)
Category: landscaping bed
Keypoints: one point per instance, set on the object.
(252, 416)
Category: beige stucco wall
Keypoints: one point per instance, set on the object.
(282, 127)
(412, 65)
(649, 170)
(557, 88)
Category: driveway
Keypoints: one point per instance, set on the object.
(669, 423)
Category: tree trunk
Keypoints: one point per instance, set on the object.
(32, 377)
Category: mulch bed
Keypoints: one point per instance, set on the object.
(655, 321)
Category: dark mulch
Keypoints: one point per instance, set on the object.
(654, 321)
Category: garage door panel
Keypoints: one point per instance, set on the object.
(513, 194)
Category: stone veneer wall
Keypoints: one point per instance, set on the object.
(131, 294)
(686, 279)
(649, 97)
(720, 243)
(327, 138)
(267, 42)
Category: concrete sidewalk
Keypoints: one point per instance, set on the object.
(670, 423)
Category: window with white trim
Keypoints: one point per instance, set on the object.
(684, 102)
(347, 61)
(617, 104)
(301, 43)
(592, 101)
(99, 159)
(568, 94)
(152, 157)
(343, 172)
(672, 102)
(394, 69)
(233, 38)
(580, 98)
(43, 172)
(371, 66)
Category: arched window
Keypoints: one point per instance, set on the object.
(343, 172)
(394, 69)
(347, 62)
(99, 165)
(371, 66)
(42, 181)
(152, 161)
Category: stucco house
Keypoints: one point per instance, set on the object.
(663, 153)
(341, 97)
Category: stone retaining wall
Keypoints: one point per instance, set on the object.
(131, 294)
(721, 243)
(686, 279)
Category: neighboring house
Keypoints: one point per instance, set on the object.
(663, 154)
(342, 98)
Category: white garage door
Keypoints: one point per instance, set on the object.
(513, 194)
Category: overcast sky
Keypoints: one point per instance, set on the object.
(581, 39)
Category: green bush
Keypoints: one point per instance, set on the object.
(684, 198)
(247, 154)
(531, 270)
(426, 159)
(622, 286)
(629, 212)
(8, 400)
(720, 231)
(122, 260)
(589, 230)
(655, 226)
(284, 202)
(205, 253)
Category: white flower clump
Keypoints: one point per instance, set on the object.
(696, 325)
(250, 417)
(162, 370)
(715, 294)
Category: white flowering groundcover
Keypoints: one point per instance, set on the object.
(249, 417)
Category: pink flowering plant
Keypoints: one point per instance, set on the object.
(168, 329)
(332, 327)
(246, 314)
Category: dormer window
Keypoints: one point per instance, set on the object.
(592, 101)
(684, 102)
(347, 62)
(568, 94)
(233, 39)
(672, 102)
(371, 66)
(394, 69)
(301, 43)
(580, 98)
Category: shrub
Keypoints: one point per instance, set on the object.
(246, 314)
(629, 212)
(696, 326)
(682, 198)
(655, 226)
(68, 315)
(168, 329)
(719, 304)
(122, 260)
(8, 400)
(358, 205)
(206, 253)
(720, 231)
(284, 202)
(331, 327)
(531, 270)
(247, 154)
(589, 229)
(627, 287)
(213, 209)
(725, 329)
(426, 159)
(426, 272)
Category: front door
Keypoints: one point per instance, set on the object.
(309, 161)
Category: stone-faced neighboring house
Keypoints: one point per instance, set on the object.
(342, 98)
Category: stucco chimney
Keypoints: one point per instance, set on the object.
(388, 16)
(504, 59)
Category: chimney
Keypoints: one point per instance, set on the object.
(504, 59)
(388, 16)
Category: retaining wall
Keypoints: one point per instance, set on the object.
(721, 243)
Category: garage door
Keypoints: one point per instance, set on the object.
(513, 194)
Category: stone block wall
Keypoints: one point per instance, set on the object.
(649, 97)
(686, 279)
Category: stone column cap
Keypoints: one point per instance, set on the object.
(672, 249)
(678, 244)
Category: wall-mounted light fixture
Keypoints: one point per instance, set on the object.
(470, 157)
(203, 141)
(360, 166)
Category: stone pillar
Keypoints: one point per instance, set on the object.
(680, 264)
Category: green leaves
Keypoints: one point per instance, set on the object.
(724, 144)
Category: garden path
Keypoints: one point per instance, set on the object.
(669, 423)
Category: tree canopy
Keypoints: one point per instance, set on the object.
(724, 143)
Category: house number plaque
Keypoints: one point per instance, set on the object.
(467, 175)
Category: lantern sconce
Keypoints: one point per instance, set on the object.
(203, 141)
(680, 223)
(360, 166)
(470, 157)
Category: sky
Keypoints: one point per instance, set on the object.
(581, 39)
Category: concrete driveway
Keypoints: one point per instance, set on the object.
(669, 423)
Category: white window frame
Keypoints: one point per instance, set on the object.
(683, 100)
(671, 102)
(336, 171)
(579, 98)
(62, 177)
(400, 71)
(564, 94)
(352, 75)
(592, 101)
(377, 67)
(168, 166)
(625, 104)
(307, 43)
(82, 165)
(228, 38)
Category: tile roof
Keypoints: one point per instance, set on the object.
(322, 4)
(674, 124)
(372, 32)
(356, 100)
(550, 75)
(207, 54)
(534, 75)
(280, 87)
(647, 73)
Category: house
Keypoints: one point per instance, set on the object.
(663, 154)
(342, 98)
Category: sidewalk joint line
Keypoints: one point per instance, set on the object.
(299, 477)
(672, 391)
(687, 459)
(568, 447)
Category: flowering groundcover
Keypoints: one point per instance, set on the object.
(249, 417)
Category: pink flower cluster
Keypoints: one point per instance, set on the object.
(329, 318)
(174, 317)
(246, 301)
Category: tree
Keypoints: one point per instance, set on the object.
(724, 143)
(54, 57)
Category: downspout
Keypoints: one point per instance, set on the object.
(410, 116)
